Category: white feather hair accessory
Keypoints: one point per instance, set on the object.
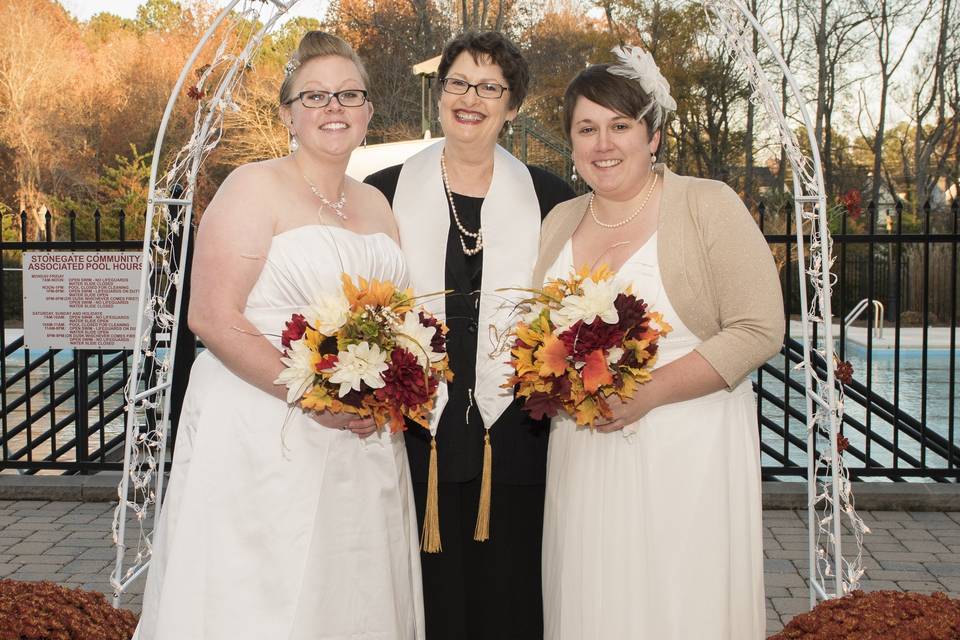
(637, 64)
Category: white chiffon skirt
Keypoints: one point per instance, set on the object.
(312, 536)
(657, 535)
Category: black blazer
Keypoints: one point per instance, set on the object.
(519, 443)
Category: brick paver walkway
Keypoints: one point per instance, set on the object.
(69, 543)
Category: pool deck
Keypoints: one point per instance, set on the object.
(911, 338)
(69, 542)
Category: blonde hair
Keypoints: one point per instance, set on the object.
(317, 44)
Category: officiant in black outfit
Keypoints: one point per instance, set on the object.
(469, 218)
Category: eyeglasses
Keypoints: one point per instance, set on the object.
(319, 99)
(488, 90)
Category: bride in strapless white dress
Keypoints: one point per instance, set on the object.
(279, 524)
(644, 526)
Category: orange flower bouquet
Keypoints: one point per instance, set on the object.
(365, 350)
(580, 341)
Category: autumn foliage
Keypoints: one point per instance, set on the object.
(47, 611)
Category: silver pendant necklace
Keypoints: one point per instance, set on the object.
(335, 207)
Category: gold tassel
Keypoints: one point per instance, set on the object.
(482, 532)
(430, 537)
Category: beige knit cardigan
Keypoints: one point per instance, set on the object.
(716, 267)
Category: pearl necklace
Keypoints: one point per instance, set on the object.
(478, 236)
(336, 207)
(633, 215)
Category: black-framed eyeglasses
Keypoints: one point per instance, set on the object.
(315, 99)
(488, 90)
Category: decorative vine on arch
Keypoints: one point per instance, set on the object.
(239, 31)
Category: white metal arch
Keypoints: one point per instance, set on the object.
(829, 494)
(170, 212)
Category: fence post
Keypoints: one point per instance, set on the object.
(893, 285)
(186, 350)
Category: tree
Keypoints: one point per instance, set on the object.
(39, 61)
(933, 122)
(159, 16)
(883, 16)
(385, 35)
(556, 47)
(836, 28)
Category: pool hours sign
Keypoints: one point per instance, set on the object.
(80, 299)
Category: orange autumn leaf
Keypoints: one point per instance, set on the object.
(595, 372)
(552, 356)
(587, 412)
(662, 327)
(601, 273)
(527, 335)
(523, 361)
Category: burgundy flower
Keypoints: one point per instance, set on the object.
(542, 405)
(844, 372)
(632, 312)
(326, 362)
(852, 201)
(842, 443)
(406, 382)
(583, 339)
(296, 327)
(438, 343)
(195, 92)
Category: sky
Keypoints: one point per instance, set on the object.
(84, 9)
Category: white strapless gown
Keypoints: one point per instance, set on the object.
(655, 533)
(312, 536)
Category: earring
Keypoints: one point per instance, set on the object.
(294, 145)
(364, 143)
(653, 158)
(573, 176)
(510, 127)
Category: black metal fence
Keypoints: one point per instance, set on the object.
(901, 407)
(895, 304)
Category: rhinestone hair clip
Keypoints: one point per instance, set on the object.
(290, 67)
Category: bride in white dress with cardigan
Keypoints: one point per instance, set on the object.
(277, 523)
(652, 526)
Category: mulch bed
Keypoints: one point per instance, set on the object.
(879, 615)
(47, 611)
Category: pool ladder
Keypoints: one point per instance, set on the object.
(858, 310)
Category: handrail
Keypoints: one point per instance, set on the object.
(857, 311)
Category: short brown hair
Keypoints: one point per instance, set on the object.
(317, 44)
(495, 46)
(625, 96)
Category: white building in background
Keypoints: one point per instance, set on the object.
(368, 159)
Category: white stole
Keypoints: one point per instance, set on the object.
(510, 218)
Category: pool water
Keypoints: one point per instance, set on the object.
(909, 396)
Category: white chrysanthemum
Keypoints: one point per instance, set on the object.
(359, 363)
(329, 312)
(596, 301)
(416, 338)
(298, 376)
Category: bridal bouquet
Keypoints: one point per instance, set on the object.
(581, 340)
(365, 350)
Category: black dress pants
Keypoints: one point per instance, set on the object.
(484, 590)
